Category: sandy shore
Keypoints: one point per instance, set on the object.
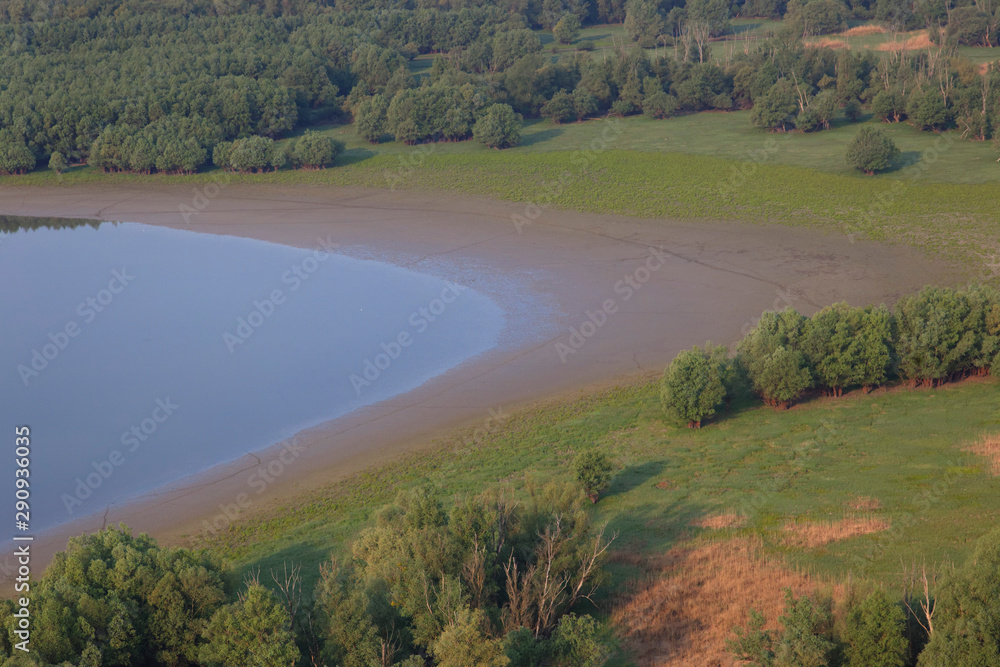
(649, 288)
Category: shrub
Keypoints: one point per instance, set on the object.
(57, 162)
(658, 104)
(871, 150)
(692, 387)
(499, 127)
(770, 352)
(315, 151)
(876, 633)
(560, 108)
(585, 45)
(593, 471)
(575, 642)
(251, 154)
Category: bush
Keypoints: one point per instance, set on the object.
(315, 151)
(57, 162)
(593, 471)
(871, 150)
(804, 642)
(852, 110)
(775, 364)
(560, 108)
(775, 109)
(585, 45)
(575, 642)
(250, 154)
(927, 109)
(499, 127)
(848, 346)
(876, 633)
(692, 387)
(658, 104)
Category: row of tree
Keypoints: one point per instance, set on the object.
(488, 582)
(937, 335)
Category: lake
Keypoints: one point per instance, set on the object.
(140, 355)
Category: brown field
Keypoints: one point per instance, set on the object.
(828, 43)
(810, 535)
(857, 31)
(720, 521)
(693, 597)
(919, 40)
(988, 446)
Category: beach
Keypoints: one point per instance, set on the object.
(621, 296)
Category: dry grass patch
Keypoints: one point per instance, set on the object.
(828, 43)
(919, 40)
(865, 504)
(812, 534)
(720, 521)
(860, 30)
(685, 610)
(989, 447)
(665, 484)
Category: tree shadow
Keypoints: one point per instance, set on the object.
(905, 159)
(354, 156)
(306, 556)
(634, 476)
(746, 27)
(540, 136)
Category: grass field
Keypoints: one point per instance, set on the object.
(893, 459)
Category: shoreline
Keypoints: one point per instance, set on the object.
(627, 295)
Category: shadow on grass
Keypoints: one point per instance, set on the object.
(306, 556)
(354, 156)
(905, 159)
(635, 476)
(540, 136)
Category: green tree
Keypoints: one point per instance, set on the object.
(575, 642)
(871, 150)
(15, 156)
(775, 109)
(466, 642)
(886, 106)
(594, 470)
(499, 127)
(371, 119)
(805, 641)
(253, 632)
(351, 635)
(251, 154)
(57, 162)
(772, 356)
(967, 612)
(819, 114)
(560, 108)
(936, 337)
(692, 388)
(567, 29)
(659, 104)
(876, 633)
(848, 346)
(643, 21)
(927, 109)
(753, 645)
(315, 151)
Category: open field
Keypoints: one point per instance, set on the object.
(899, 453)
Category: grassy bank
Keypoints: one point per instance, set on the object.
(894, 457)
(712, 165)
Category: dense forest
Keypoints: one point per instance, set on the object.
(141, 86)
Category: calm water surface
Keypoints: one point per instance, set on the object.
(139, 355)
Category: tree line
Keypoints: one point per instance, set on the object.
(935, 336)
(488, 580)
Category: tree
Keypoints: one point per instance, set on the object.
(567, 29)
(466, 643)
(819, 114)
(560, 108)
(692, 387)
(773, 359)
(643, 21)
(15, 156)
(315, 151)
(805, 641)
(593, 471)
(370, 118)
(876, 633)
(927, 110)
(871, 150)
(774, 110)
(886, 106)
(499, 127)
(935, 335)
(659, 104)
(251, 154)
(849, 346)
(57, 162)
(253, 632)
(575, 642)
(966, 616)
